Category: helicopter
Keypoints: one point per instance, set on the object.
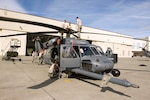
(75, 56)
(146, 52)
(81, 57)
(77, 53)
(143, 52)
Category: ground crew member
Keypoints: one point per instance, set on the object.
(79, 26)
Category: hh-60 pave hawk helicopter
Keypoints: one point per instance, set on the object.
(146, 52)
(76, 56)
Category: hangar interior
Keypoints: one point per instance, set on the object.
(30, 43)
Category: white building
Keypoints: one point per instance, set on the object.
(9, 25)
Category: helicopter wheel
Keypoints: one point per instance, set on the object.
(69, 74)
(115, 72)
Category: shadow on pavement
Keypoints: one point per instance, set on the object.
(134, 70)
(104, 89)
(43, 84)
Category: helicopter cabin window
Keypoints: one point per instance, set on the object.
(77, 50)
(85, 51)
(68, 52)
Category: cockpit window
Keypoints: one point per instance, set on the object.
(68, 52)
(100, 50)
(94, 50)
(85, 51)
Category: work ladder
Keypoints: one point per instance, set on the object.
(12, 53)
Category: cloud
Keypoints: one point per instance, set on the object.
(128, 19)
(122, 16)
(141, 17)
(72, 7)
(11, 5)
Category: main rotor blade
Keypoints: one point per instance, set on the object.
(43, 32)
(32, 23)
(58, 28)
(116, 36)
(14, 35)
(18, 34)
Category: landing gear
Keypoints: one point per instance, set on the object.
(115, 72)
(54, 73)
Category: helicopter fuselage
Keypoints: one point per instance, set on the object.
(86, 57)
(81, 54)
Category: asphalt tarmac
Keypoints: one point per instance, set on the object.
(29, 81)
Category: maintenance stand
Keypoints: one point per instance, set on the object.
(12, 53)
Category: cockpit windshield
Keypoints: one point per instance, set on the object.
(94, 50)
(97, 50)
(91, 50)
(85, 51)
(100, 50)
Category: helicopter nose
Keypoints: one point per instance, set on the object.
(103, 66)
(101, 63)
(108, 65)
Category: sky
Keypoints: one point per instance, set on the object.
(129, 17)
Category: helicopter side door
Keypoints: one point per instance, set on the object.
(69, 57)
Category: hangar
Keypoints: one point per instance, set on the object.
(27, 26)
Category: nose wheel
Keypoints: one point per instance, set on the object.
(115, 72)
